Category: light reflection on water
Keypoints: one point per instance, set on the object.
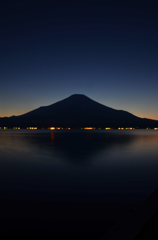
(98, 168)
(121, 160)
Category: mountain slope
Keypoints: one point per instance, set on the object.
(77, 111)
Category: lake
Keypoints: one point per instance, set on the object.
(73, 184)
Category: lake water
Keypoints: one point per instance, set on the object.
(73, 184)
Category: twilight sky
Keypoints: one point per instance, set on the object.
(51, 51)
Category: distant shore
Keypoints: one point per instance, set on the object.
(69, 128)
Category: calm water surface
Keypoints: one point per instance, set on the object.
(73, 183)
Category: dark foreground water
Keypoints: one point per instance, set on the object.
(73, 184)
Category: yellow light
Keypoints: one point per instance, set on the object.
(108, 128)
(52, 128)
(88, 128)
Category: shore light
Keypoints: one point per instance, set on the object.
(52, 128)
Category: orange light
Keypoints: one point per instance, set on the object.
(52, 128)
(88, 128)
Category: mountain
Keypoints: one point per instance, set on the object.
(77, 111)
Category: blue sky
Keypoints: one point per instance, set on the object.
(51, 51)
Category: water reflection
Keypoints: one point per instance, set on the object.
(79, 162)
(76, 175)
(72, 146)
(81, 147)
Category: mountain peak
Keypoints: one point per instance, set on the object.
(77, 95)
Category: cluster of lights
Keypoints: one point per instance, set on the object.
(58, 128)
(130, 128)
(86, 128)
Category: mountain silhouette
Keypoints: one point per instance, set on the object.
(77, 111)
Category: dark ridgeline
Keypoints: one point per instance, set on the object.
(77, 111)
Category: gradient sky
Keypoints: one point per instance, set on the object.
(51, 51)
